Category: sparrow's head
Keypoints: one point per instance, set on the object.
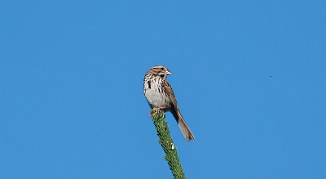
(159, 70)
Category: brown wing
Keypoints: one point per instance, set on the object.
(177, 114)
(170, 94)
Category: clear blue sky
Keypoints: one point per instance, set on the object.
(249, 77)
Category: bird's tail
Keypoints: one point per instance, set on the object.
(183, 125)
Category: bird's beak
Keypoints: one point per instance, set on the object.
(168, 72)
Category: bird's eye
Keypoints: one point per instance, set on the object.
(162, 68)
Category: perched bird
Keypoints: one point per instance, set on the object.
(159, 93)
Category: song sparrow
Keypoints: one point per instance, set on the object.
(159, 93)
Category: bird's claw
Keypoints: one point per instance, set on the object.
(157, 111)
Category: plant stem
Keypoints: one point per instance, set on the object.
(171, 153)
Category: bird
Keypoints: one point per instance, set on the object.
(159, 94)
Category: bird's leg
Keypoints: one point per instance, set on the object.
(157, 110)
(150, 113)
(161, 109)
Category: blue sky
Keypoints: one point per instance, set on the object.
(249, 77)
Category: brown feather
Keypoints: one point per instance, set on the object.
(176, 112)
